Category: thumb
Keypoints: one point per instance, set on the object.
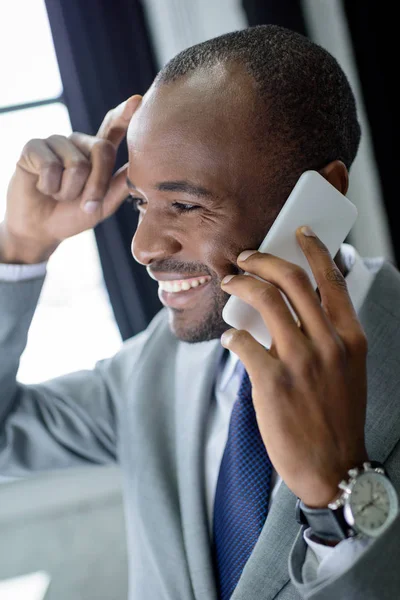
(117, 192)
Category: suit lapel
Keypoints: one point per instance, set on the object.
(266, 571)
(196, 370)
(380, 317)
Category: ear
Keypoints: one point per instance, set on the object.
(337, 174)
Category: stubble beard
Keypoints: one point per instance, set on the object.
(209, 325)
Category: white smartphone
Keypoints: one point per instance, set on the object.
(314, 202)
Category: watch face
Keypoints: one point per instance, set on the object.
(372, 505)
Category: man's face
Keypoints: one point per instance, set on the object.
(198, 179)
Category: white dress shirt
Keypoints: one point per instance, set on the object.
(321, 561)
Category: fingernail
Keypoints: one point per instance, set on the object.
(91, 206)
(306, 230)
(226, 338)
(245, 255)
(227, 279)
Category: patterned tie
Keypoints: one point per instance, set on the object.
(242, 495)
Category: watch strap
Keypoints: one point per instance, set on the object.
(327, 524)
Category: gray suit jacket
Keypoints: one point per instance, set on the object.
(147, 407)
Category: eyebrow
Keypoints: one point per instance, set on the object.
(184, 187)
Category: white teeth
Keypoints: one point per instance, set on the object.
(182, 285)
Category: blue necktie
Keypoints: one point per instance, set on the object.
(242, 495)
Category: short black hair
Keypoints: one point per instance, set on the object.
(307, 98)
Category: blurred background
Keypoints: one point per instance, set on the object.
(64, 64)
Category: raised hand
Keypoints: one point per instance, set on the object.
(63, 186)
(310, 389)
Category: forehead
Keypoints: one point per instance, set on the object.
(198, 125)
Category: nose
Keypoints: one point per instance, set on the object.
(153, 241)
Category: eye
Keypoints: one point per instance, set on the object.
(184, 207)
(138, 203)
(135, 202)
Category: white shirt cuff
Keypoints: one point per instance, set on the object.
(324, 562)
(15, 273)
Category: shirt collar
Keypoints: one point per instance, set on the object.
(358, 280)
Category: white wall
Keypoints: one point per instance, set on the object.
(178, 24)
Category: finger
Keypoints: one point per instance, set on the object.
(116, 121)
(296, 285)
(102, 150)
(103, 156)
(330, 281)
(253, 355)
(269, 302)
(117, 193)
(38, 159)
(76, 168)
(83, 142)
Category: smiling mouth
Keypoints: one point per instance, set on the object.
(183, 294)
(182, 285)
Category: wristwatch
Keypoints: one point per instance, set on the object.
(366, 508)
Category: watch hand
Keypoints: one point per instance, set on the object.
(359, 512)
(379, 507)
(372, 489)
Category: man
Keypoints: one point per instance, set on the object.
(215, 146)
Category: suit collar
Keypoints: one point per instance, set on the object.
(195, 378)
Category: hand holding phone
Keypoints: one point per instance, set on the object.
(314, 202)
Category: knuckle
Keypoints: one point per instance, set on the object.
(334, 276)
(74, 136)
(56, 138)
(79, 166)
(239, 336)
(296, 276)
(31, 145)
(335, 351)
(319, 247)
(105, 148)
(307, 365)
(362, 342)
(281, 378)
(358, 342)
(265, 294)
(51, 165)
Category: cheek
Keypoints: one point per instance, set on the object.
(219, 246)
(216, 240)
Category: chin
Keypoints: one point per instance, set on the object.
(204, 328)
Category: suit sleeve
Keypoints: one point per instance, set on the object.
(68, 421)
